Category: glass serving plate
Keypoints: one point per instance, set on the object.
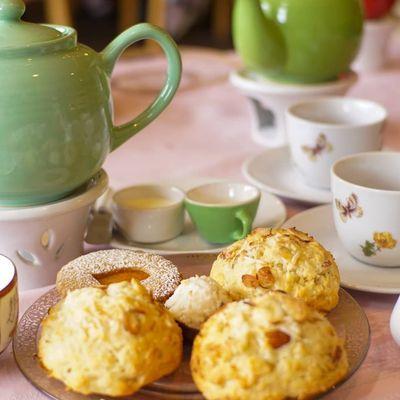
(348, 318)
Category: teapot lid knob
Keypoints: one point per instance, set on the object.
(11, 10)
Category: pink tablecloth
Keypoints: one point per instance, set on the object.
(205, 132)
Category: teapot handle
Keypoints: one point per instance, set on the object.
(110, 55)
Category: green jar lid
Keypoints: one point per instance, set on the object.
(16, 33)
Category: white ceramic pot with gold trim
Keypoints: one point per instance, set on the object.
(8, 301)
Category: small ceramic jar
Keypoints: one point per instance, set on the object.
(149, 213)
(223, 212)
(8, 301)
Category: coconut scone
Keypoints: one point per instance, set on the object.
(279, 259)
(195, 300)
(271, 347)
(110, 341)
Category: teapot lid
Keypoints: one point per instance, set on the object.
(16, 33)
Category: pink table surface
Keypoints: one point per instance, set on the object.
(205, 132)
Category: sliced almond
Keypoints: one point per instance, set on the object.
(304, 237)
(131, 324)
(225, 255)
(264, 232)
(277, 338)
(265, 277)
(250, 281)
(327, 263)
(337, 354)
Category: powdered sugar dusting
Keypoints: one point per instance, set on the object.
(163, 279)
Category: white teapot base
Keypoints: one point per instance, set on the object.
(269, 100)
(41, 239)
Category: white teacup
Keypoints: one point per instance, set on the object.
(8, 301)
(149, 213)
(366, 206)
(321, 131)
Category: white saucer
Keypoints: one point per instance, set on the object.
(272, 171)
(271, 213)
(318, 222)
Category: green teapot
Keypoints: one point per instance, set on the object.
(300, 41)
(56, 119)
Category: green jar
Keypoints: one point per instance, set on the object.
(301, 41)
(223, 212)
(56, 120)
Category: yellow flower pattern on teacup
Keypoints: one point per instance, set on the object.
(322, 145)
(384, 240)
(381, 240)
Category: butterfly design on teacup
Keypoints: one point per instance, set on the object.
(350, 209)
(322, 145)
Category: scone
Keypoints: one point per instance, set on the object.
(279, 259)
(195, 300)
(157, 274)
(270, 347)
(109, 341)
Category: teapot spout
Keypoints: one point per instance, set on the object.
(257, 39)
